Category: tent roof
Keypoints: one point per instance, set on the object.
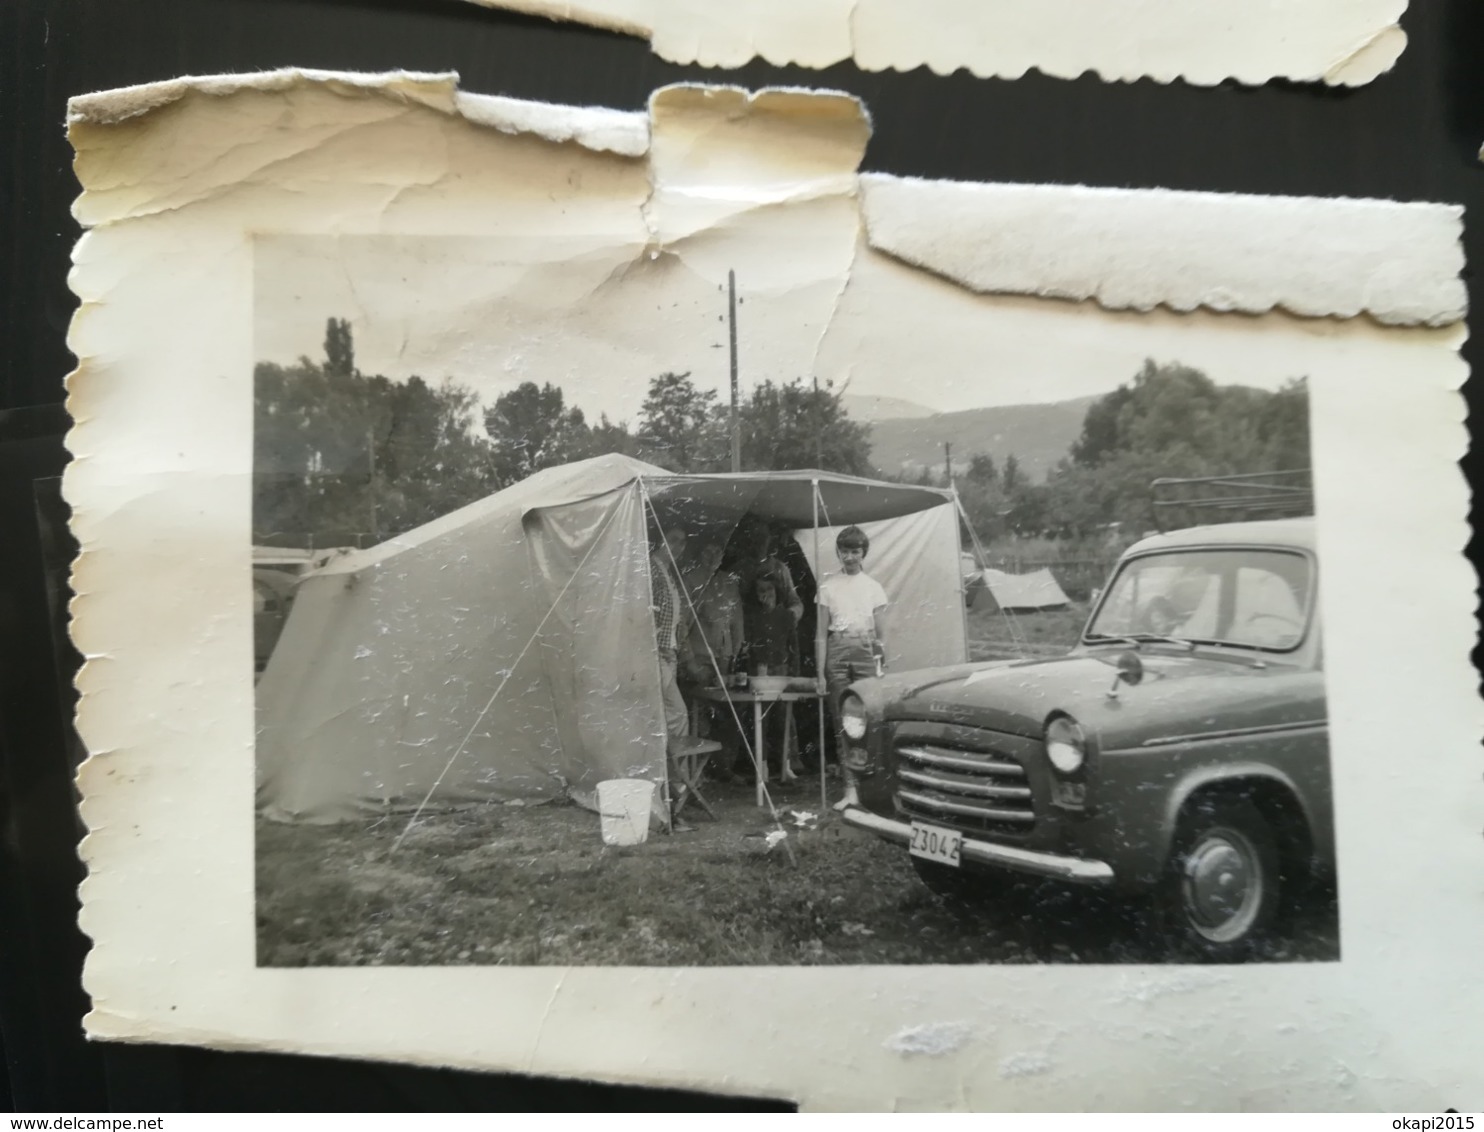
(788, 497)
(781, 497)
(550, 487)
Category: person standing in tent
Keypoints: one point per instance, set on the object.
(760, 560)
(716, 600)
(711, 647)
(851, 635)
(772, 650)
(668, 603)
(786, 549)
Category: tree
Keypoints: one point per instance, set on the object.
(531, 428)
(982, 471)
(1012, 478)
(606, 436)
(1100, 435)
(429, 459)
(340, 351)
(679, 425)
(1284, 427)
(1028, 511)
(798, 425)
(342, 458)
(1172, 421)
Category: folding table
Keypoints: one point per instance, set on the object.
(757, 700)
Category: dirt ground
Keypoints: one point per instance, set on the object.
(534, 885)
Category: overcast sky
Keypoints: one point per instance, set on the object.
(482, 313)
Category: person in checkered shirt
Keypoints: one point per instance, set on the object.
(669, 622)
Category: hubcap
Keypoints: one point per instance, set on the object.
(1222, 885)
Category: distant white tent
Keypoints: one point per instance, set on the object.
(1022, 593)
(506, 650)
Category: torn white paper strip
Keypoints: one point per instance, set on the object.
(1340, 42)
(495, 244)
(1140, 250)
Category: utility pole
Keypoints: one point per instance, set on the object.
(818, 415)
(371, 458)
(732, 321)
(948, 461)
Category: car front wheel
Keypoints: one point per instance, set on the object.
(1220, 895)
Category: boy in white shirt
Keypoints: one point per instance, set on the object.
(851, 636)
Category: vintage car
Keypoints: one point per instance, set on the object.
(1178, 754)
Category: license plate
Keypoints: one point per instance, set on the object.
(936, 844)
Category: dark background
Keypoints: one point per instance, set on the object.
(1412, 135)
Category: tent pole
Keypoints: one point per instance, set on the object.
(666, 802)
(763, 797)
(963, 593)
(819, 673)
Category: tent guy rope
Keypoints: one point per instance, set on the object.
(509, 672)
(981, 560)
(721, 681)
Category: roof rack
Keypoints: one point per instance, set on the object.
(1232, 499)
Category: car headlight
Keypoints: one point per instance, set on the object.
(853, 717)
(1066, 745)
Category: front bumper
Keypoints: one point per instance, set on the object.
(1074, 869)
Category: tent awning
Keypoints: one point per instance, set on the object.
(788, 497)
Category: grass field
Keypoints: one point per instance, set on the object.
(994, 635)
(535, 885)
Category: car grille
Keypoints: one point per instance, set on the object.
(971, 790)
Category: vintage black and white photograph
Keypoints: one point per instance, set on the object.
(656, 614)
(555, 577)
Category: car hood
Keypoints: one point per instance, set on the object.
(1180, 693)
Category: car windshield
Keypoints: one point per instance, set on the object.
(1252, 598)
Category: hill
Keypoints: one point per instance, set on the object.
(869, 409)
(1037, 435)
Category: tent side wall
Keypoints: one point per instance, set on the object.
(418, 664)
(381, 684)
(591, 562)
(916, 560)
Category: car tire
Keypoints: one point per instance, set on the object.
(1222, 889)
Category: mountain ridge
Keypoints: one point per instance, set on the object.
(1038, 436)
(869, 409)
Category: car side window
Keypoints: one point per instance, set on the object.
(1266, 613)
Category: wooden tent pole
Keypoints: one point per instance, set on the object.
(819, 673)
(963, 594)
(646, 510)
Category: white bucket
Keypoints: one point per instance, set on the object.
(623, 810)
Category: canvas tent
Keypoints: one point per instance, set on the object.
(506, 650)
(1021, 593)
